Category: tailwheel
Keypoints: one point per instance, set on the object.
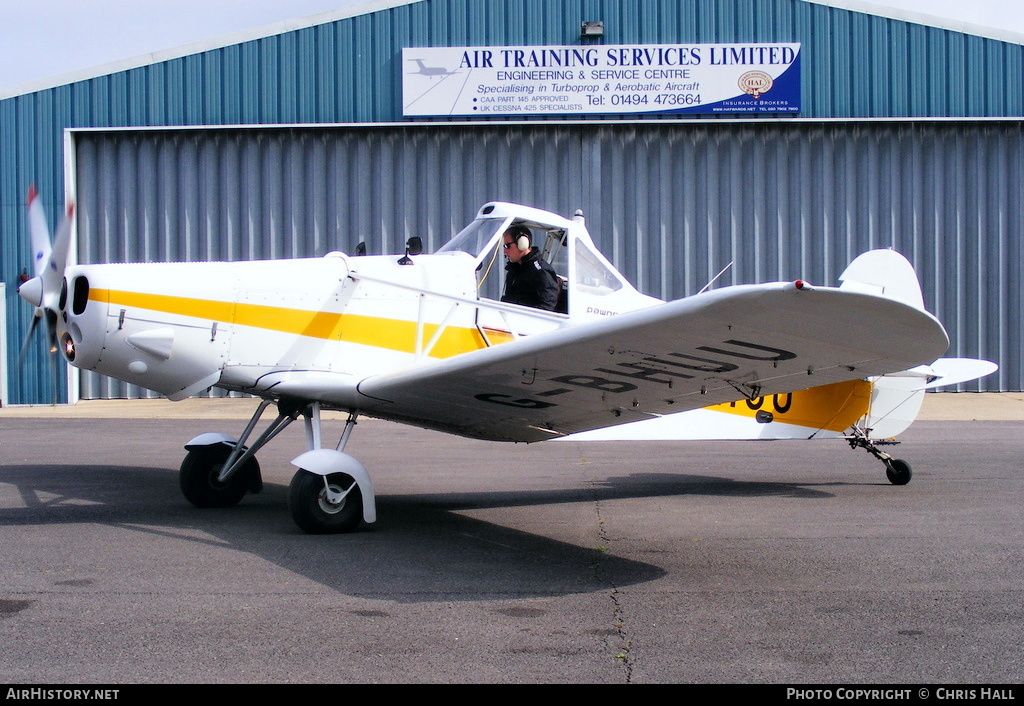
(325, 504)
(200, 482)
(897, 471)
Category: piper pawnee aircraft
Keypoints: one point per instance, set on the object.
(424, 339)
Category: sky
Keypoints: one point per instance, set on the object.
(44, 39)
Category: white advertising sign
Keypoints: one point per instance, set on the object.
(601, 79)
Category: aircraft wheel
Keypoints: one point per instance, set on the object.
(897, 471)
(313, 512)
(198, 477)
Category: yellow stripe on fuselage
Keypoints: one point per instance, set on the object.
(392, 334)
(829, 407)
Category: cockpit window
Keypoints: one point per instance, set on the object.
(592, 275)
(481, 240)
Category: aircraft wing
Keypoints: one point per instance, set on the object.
(720, 346)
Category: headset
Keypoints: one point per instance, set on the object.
(523, 237)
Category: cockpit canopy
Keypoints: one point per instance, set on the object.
(565, 244)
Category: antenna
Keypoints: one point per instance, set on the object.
(713, 279)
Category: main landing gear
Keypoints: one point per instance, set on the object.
(331, 492)
(896, 470)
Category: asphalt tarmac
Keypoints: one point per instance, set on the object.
(610, 563)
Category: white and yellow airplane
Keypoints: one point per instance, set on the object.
(424, 339)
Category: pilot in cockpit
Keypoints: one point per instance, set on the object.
(529, 279)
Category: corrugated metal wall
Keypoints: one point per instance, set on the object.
(349, 70)
(670, 204)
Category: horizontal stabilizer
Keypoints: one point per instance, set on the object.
(953, 371)
(896, 398)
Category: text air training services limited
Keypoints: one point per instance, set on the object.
(599, 79)
(570, 57)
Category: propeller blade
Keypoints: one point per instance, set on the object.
(51, 329)
(62, 243)
(39, 231)
(53, 272)
(28, 339)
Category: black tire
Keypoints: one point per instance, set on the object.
(311, 511)
(198, 477)
(898, 472)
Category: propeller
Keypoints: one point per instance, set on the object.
(43, 290)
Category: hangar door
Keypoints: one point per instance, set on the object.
(671, 204)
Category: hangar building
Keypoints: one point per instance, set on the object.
(782, 136)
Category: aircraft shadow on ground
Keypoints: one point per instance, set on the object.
(423, 548)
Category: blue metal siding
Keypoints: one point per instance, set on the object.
(671, 204)
(855, 65)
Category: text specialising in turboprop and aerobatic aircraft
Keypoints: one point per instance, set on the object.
(436, 340)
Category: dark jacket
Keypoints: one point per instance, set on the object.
(531, 282)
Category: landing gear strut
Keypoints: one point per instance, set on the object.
(331, 492)
(896, 470)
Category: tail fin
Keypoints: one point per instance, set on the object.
(896, 399)
(895, 403)
(885, 273)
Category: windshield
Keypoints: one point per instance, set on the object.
(474, 237)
